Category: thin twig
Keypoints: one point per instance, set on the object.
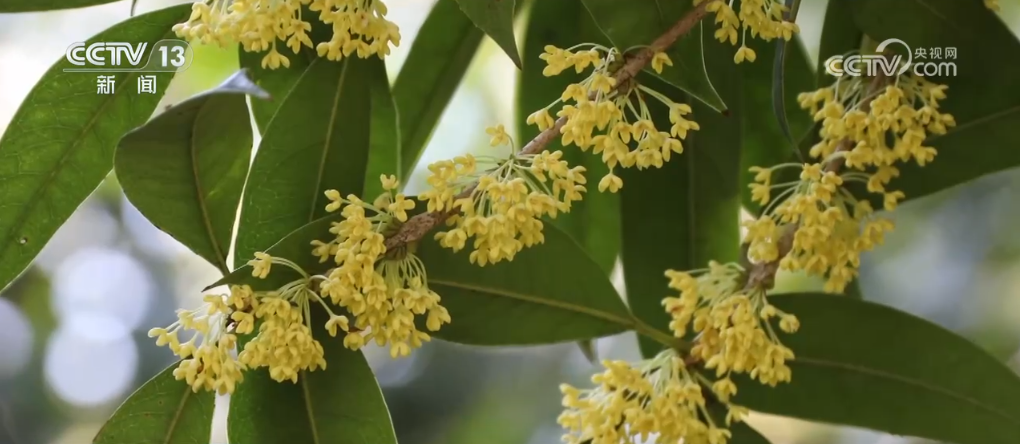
(416, 227)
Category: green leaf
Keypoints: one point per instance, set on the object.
(59, 145)
(981, 96)
(764, 143)
(47, 5)
(526, 301)
(384, 144)
(639, 22)
(342, 404)
(185, 169)
(595, 221)
(744, 434)
(320, 139)
(496, 18)
(868, 365)
(686, 213)
(438, 59)
(162, 411)
(839, 36)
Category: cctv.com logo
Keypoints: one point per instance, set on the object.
(894, 65)
(167, 55)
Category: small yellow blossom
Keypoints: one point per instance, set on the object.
(993, 5)
(498, 134)
(389, 183)
(614, 123)
(359, 26)
(541, 119)
(744, 53)
(659, 60)
(503, 211)
(610, 182)
(261, 265)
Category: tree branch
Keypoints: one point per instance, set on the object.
(418, 226)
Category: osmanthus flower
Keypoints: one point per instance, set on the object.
(762, 18)
(664, 399)
(283, 342)
(659, 400)
(382, 292)
(207, 360)
(359, 27)
(612, 120)
(733, 326)
(869, 135)
(503, 211)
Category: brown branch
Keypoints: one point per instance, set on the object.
(418, 226)
(763, 276)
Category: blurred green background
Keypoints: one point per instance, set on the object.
(72, 327)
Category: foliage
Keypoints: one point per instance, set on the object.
(645, 127)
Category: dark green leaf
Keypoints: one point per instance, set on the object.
(595, 221)
(839, 36)
(162, 411)
(981, 96)
(59, 145)
(496, 18)
(872, 366)
(185, 169)
(686, 213)
(320, 139)
(526, 301)
(764, 143)
(437, 62)
(339, 405)
(384, 144)
(47, 5)
(744, 434)
(639, 22)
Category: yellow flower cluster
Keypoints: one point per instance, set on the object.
(992, 4)
(832, 227)
(283, 343)
(828, 239)
(665, 397)
(607, 117)
(733, 326)
(503, 211)
(661, 400)
(359, 26)
(382, 293)
(763, 18)
(206, 359)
